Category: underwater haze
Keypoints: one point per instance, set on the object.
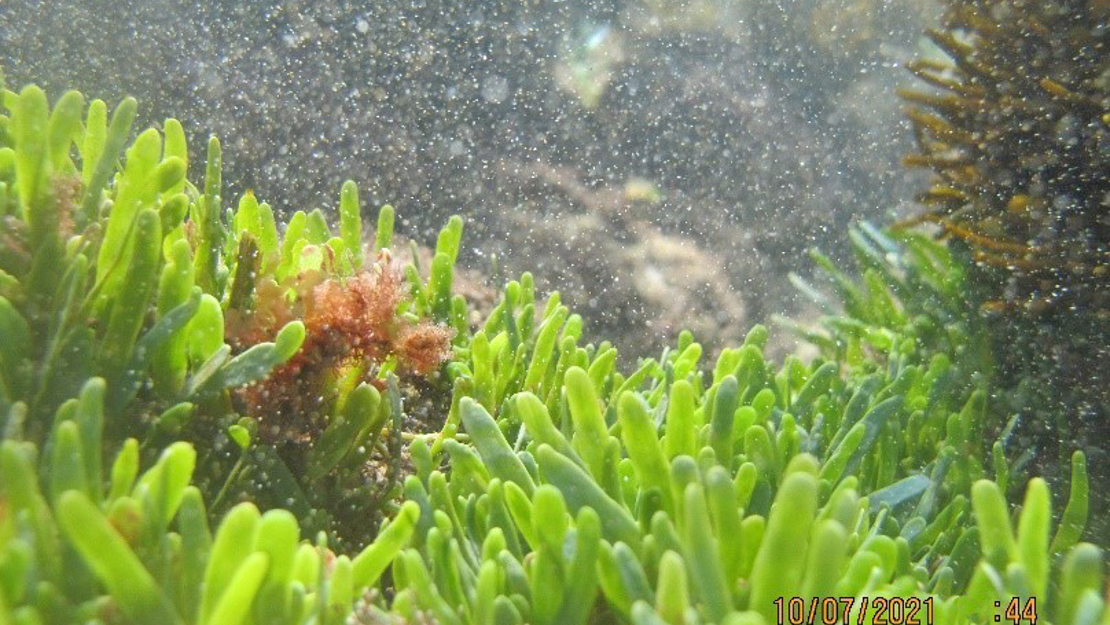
(663, 164)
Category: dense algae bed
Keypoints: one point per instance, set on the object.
(670, 492)
(213, 416)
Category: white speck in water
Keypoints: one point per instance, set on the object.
(495, 89)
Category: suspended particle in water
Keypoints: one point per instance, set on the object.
(495, 89)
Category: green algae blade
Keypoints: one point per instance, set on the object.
(106, 154)
(580, 491)
(1074, 519)
(780, 564)
(493, 447)
(113, 562)
(368, 566)
(383, 234)
(350, 221)
(237, 597)
(230, 548)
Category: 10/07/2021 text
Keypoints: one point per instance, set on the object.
(840, 610)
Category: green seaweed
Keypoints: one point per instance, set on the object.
(551, 485)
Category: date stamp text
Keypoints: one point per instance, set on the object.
(854, 611)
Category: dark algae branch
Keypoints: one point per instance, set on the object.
(216, 414)
(1015, 126)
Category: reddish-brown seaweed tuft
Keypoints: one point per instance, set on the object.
(349, 322)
